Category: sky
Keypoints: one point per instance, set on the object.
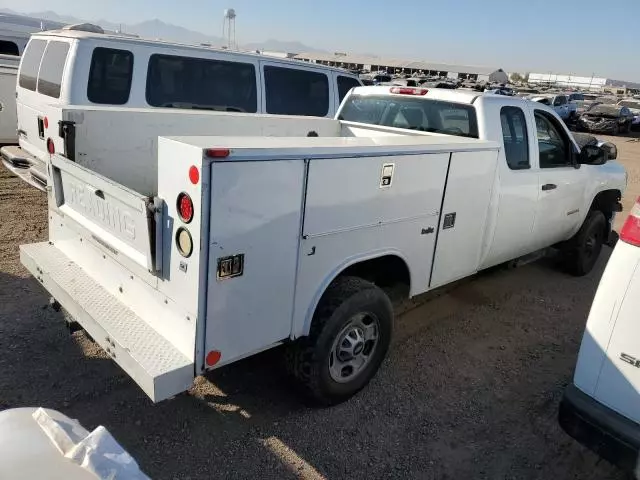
(580, 37)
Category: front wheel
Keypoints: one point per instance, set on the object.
(582, 251)
(349, 338)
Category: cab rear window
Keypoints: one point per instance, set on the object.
(110, 76)
(412, 113)
(31, 64)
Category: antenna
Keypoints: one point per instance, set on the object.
(229, 24)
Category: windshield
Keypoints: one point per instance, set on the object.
(412, 113)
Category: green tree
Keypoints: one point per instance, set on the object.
(517, 78)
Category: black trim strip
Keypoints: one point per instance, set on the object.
(444, 194)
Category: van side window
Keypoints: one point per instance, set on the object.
(554, 146)
(51, 69)
(515, 138)
(200, 83)
(291, 91)
(110, 76)
(31, 64)
(9, 48)
(345, 84)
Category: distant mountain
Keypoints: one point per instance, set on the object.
(166, 31)
(281, 46)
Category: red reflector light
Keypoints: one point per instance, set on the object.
(45, 122)
(51, 148)
(194, 174)
(217, 152)
(630, 232)
(409, 90)
(185, 207)
(213, 357)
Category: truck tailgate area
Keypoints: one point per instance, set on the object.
(155, 364)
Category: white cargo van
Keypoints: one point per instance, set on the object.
(87, 69)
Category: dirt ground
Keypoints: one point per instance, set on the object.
(470, 389)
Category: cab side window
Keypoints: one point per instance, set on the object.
(562, 100)
(515, 138)
(553, 144)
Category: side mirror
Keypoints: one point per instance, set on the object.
(593, 155)
(610, 149)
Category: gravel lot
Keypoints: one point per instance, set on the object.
(470, 388)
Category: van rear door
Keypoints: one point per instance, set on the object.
(39, 94)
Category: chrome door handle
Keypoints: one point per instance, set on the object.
(549, 186)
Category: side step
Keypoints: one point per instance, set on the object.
(159, 368)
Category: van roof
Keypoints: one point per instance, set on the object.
(124, 39)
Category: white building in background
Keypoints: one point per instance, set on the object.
(374, 64)
(592, 83)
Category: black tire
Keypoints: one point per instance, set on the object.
(616, 130)
(582, 251)
(308, 358)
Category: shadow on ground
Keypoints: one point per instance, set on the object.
(470, 390)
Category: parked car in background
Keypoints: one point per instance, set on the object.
(565, 109)
(603, 118)
(381, 79)
(601, 408)
(632, 104)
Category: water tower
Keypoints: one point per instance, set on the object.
(229, 28)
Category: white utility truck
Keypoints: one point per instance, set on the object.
(69, 78)
(245, 243)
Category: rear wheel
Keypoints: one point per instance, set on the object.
(349, 338)
(582, 251)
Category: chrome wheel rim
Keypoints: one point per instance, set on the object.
(354, 347)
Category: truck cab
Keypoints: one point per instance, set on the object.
(544, 195)
(561, 104)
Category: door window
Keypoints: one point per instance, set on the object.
(291, 91)
(515, 138)
(52, 68)
(559, 101)
(345, 84)
(31, 64)
(9, 48)
(553, 144)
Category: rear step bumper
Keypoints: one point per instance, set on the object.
(24, 165)
(155, 364)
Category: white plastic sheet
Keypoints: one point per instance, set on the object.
(97, 452)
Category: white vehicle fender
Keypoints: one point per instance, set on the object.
(335, 273)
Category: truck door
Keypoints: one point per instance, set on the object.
(561, 184)
(517, 193)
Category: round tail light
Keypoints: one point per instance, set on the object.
(184, 242)
(185, 207)
(51, 148)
